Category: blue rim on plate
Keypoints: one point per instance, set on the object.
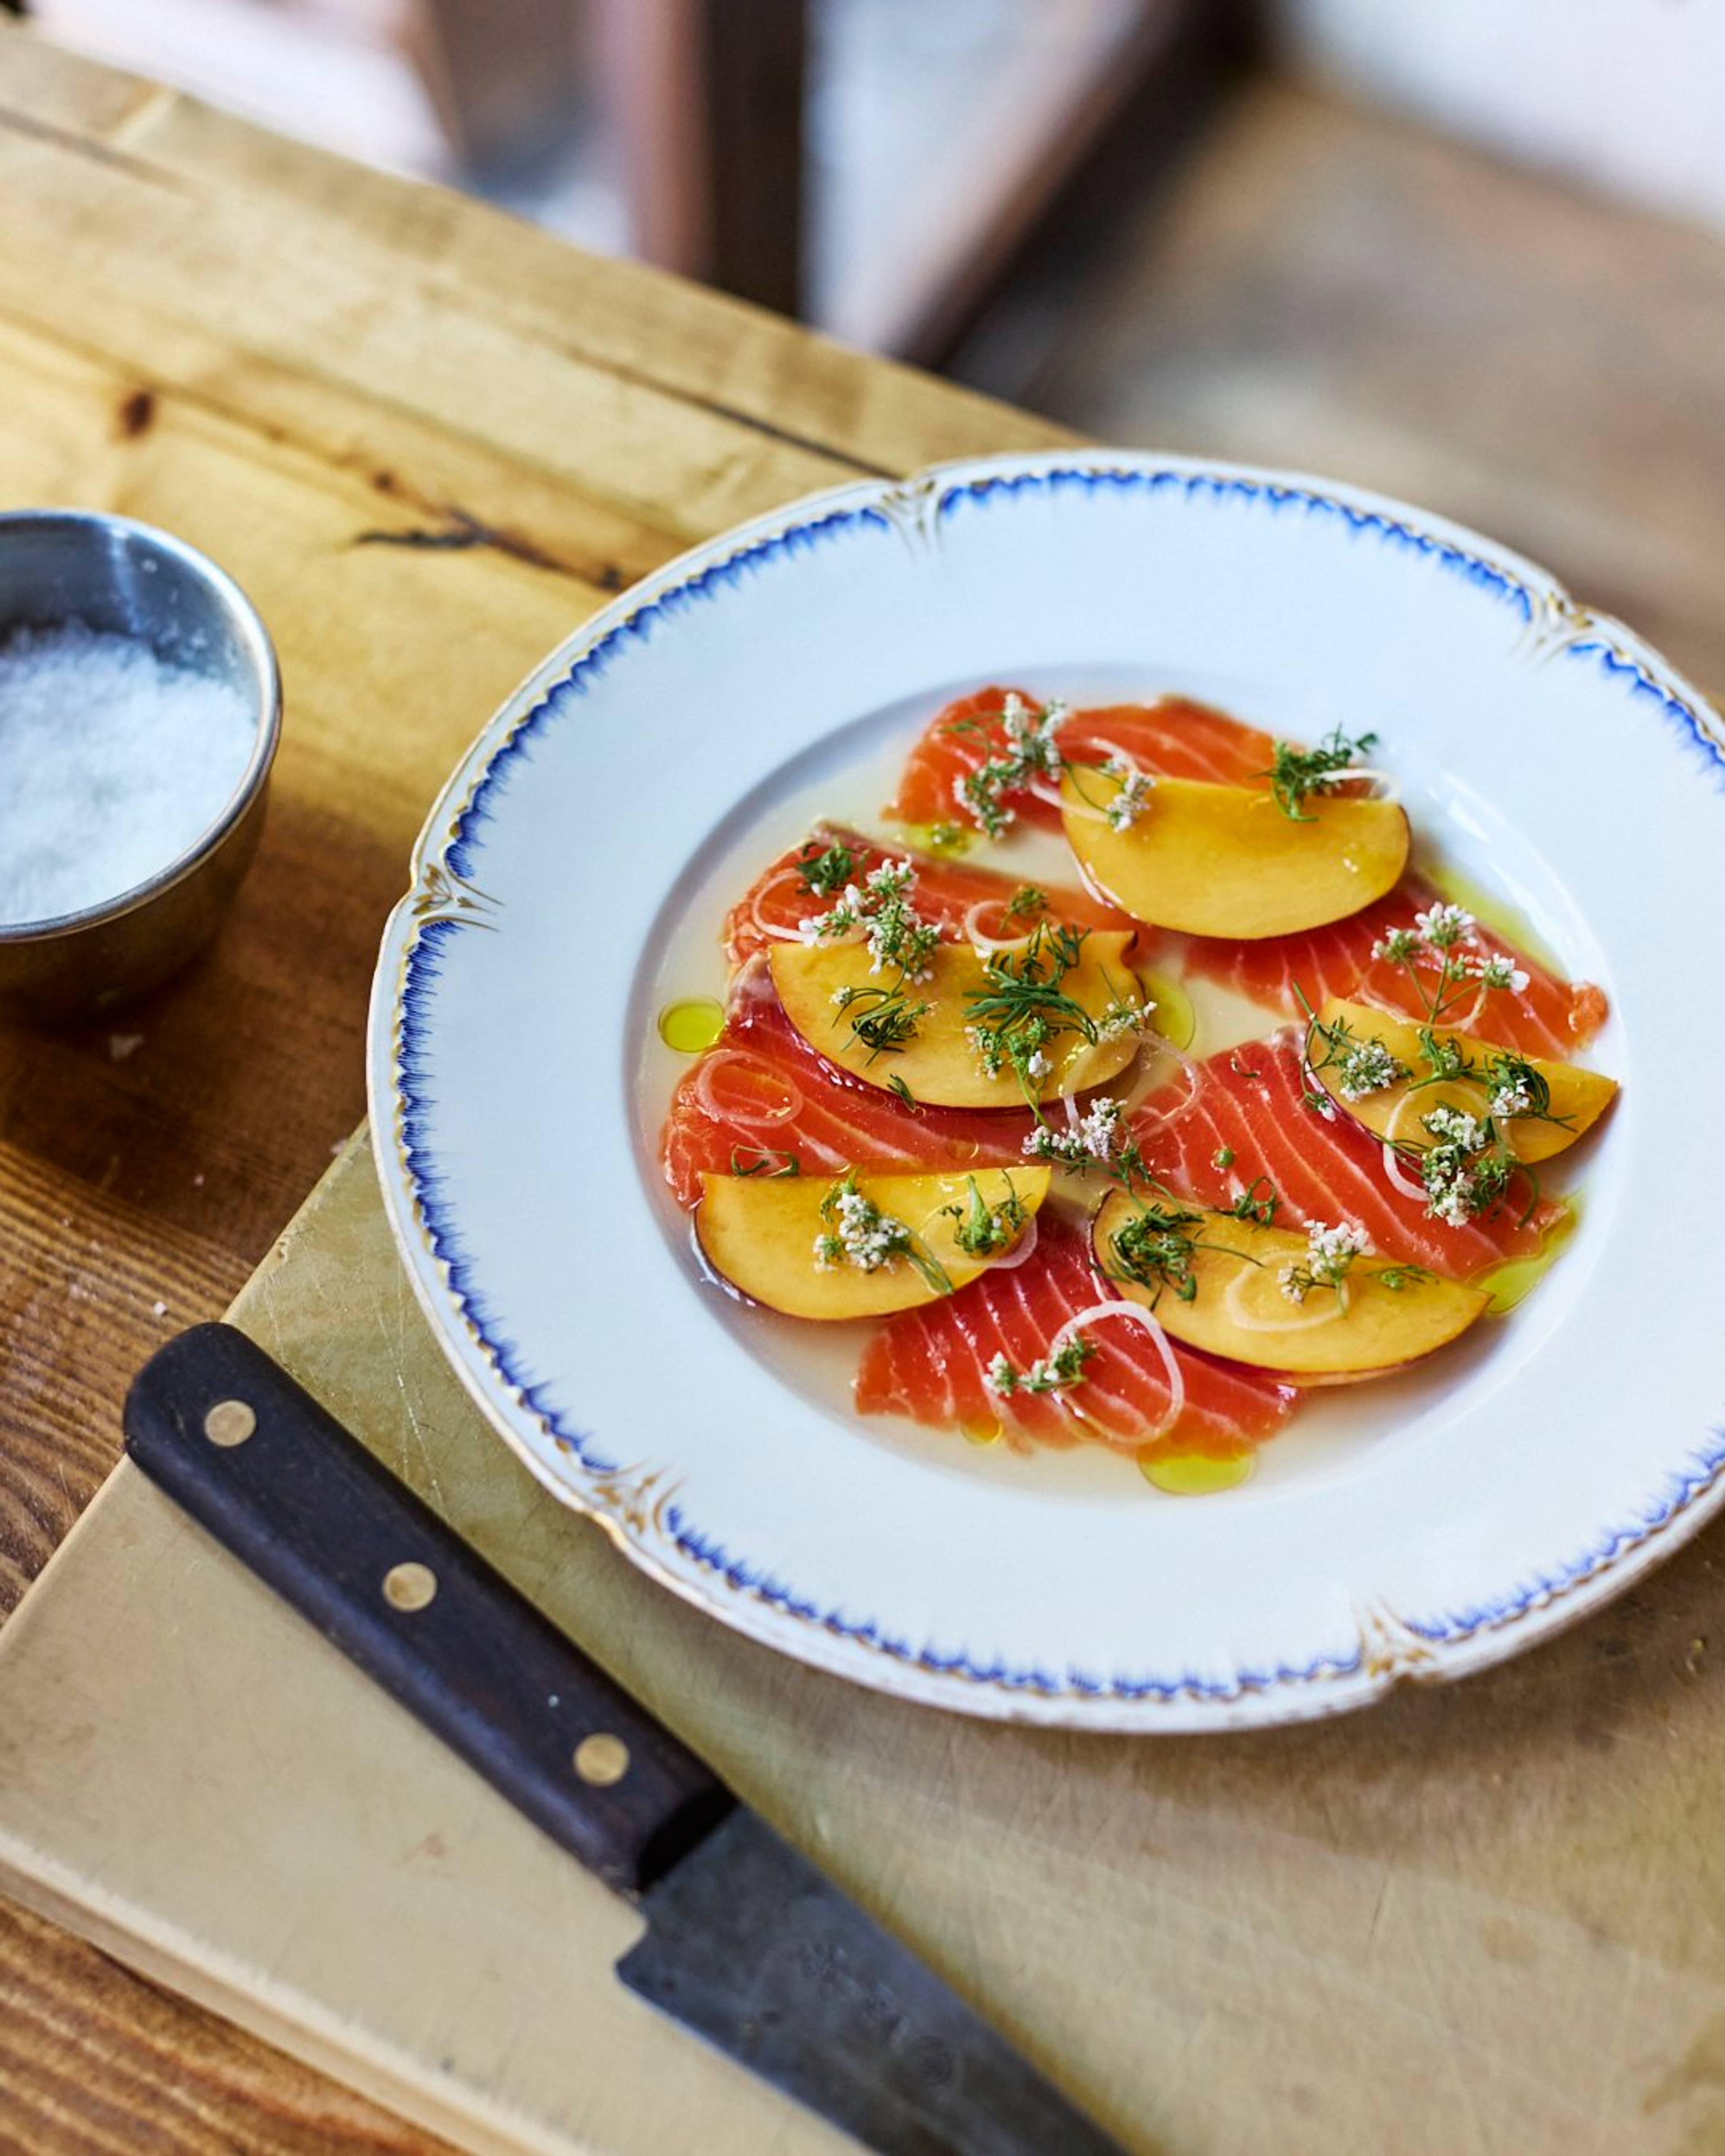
(647, 1507)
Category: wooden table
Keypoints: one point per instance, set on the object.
(428, 441)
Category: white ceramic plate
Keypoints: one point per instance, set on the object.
(1420, 1529)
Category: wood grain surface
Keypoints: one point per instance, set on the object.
(429, 441)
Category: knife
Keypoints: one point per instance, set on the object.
(746, 1942)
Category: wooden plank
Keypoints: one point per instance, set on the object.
(95, 2062)
(481, 274)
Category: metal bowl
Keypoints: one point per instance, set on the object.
(62, 566)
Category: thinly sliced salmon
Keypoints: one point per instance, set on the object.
(1549, 1017)
(947, 893)
(1214, 1129)
(761, 1096)
(1174, 737)
(931, 1364)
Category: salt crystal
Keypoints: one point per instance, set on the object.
(113, 764)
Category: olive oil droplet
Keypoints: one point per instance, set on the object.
(1516, 1279)
(984, 1430)
(1494, 913)
(692, 1026)
(1173, 1017)
(1184, 1470)
(946, 841)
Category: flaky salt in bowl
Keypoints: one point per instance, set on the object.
(140, 707)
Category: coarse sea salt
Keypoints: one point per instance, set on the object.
(113, 763)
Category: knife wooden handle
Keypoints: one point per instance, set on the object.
(274, 1478)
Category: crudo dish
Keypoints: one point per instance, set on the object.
(1059, 1087)
(996, 1116)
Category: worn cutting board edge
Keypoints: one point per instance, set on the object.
(1485, 1916)
(126, 1928)
(292, 2023)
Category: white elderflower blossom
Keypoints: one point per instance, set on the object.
(1498, 972)
(1456, 1126)
(1465, 1170)
(1090, 1142)
(1364, 1067)
(1129, 803)
(1444, 926)
(1122, 1018)
(1330, 1253)
(1397, 946)
(859, 1235)
(1047, 1374)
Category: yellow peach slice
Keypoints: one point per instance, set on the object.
(1579, 1097)
(1223, 860)
(760, 1234)
(1238, 1310)
(939, 1064)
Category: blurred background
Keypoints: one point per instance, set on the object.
(1468, 252)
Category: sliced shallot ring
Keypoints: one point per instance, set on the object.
(1474, 1012)
(1397, 1174)
(1300, 1320)
(764, 1117)
(979, 937)
(1392, 1129)
(1040, 791)
(1148, 1322)
(1026, 1242)
(775, 930)
(1160, 1043)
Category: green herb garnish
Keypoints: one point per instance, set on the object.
(1021, 1006)
(982, 1230)
(764, 1160)
(1250, 1206)
(827, 869)
(1298, 773)
(1155, 1247)
(857, 1232)
(886, 1021)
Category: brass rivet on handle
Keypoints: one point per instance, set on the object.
(602, 1760)
(229, 1422)
(409, 1586)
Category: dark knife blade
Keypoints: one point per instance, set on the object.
(747, 1942)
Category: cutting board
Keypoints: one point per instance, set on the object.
(1484, 1918)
